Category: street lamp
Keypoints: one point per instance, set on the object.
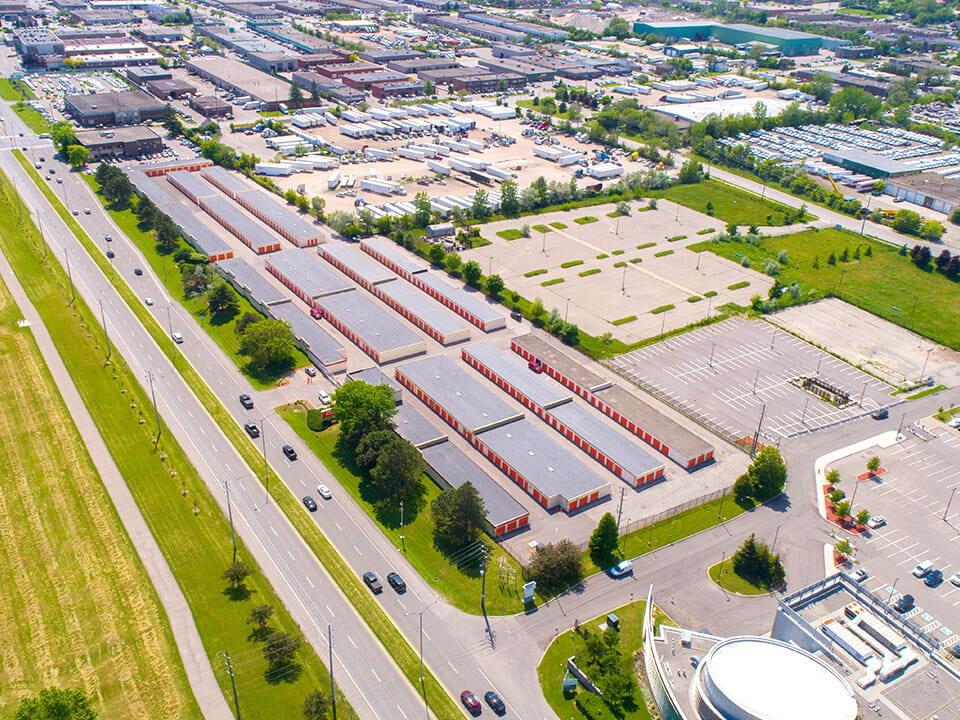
(423, 691)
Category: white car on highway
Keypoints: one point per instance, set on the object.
(324, 492)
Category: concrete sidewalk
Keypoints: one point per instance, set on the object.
(192, 653)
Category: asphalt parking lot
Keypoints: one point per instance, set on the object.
(727, 374)
(913, 494)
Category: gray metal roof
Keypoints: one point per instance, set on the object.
(375, 376)
(192, 183)
(421, 306)
(675, 435)
(587, 423)
(414, 427)
(158, 193)
(473, 302)
(564, 363)
(358, 262)
(305, 270)
(233, 183)
(291, 221)
(465, 397)
(371, 323)
(450, 463)
(868, 159)
(544, 462)
(322, 345)
(248, 278)
(512, 369)
(193, 227)
(396, 255)
(258, 235)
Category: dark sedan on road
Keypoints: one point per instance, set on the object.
(396, 582)
(903, 604)
(470, 702)
(309, 503)
(289, 452)
(495, 703)
(246, 401)
(252, 429)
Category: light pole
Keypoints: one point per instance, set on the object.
(566, 310)
(663, 322)
(423, 690)
(402, 543)
(925, 361)
(226, 489)
(266, 471)
(892, 589)
(106, 337)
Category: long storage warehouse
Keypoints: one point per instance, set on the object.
(473, 307)
(663, 433)
(195, 232)
(514, 377)
(538, 464)
(355, 265)
(305, 275)
(286, 222)
(247, 281)
(373, 330)
(228, 183)
(422, 312)
(191, 185)
(387, 252)
(251, 233)
(316, 343)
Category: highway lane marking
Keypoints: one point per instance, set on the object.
(401, 711)
(310, 581)
(359, 552)
(375, 676)
(426, 636)
(291, 555)
(338, 526)
(351, 641)
(452, 667)
(332, 614)
(273, 530)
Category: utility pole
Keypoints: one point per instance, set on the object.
(156, 412)
(402, 543)
(566, 310)
(73, 292)
(103, 319)
(233, 682)
(620, 511)
(333, 694)
(42, 238)
(663, 322)
(226, 487)
(947, 508)
(756, 378)
(803, 417)
(925, 361)
(756, 435)
(266, 471)
(712, 350)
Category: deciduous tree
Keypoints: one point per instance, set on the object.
(458, 515)
(269, 344)
(361, 408)
(236, 573)
(604, 541)
(556, 565)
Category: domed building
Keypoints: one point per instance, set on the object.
(756, 678)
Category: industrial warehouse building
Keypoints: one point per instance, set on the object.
(365, 323)
(580, 425)
(789, 42)
(318, 345)
(868, 163)
(113, 108)
(928, 190)
(305, 275)
(533, 460)
(387, 252)
(653, 427)
(247, 281)
(243, 80)
(122, 142)
(355, 265)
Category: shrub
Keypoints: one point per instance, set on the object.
(771, 268)
(315, 420)
(653, 205)
(745, 262)
(783, 257)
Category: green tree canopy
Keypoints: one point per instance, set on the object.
(361, 408)
(77, 156)
(269, 344)
(458, 515)
(472, 272)
(315, 706)
(397, 470)
(604, 541)
(236, 573)
(222, 301)
(557, 565)
(53, 703)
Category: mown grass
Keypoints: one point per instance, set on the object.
(14, 90)
(661, 309)
(534, 273)
(558, 225)
(724, 576)
(886, 283)
(510, 234)
(222, 330)
(187, 523)
(387, 633)
(738, 285)
(623, 320)
(728, 203)
(663, 253)
(646, 245)
(541, 228)
(571, 263)
(591, 271)
(79, 603)
(552, 281)
(460, 587)
(34, 120)
(585, 220)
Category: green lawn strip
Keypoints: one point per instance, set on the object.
(928, 391)
(644, 246)
(340, 571)
(613, 214)
(623, 320)
(661, 309)
(739, 285)
(460, 588)
(620, 264)
(512, 234)
(710, 293)
(617, 252)
(886, 284)
(571, 263)
(552, 281)
(724, 576)
(183, 517)
(169, 274)
(528, 105)
(533, 273)
(34, 120)
(663, 253)
(675, 238)
(602, 256)
(670, 530)
(541, 228)
(557, 225)
(707, 231)
(587, 273)
(948, 413)
(57, 507)
(729, 203)
(636, 260)
(694, 299)
(14, 90)
(585, 220)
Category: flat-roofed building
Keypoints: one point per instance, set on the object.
(113, 108)
(928, 190)
(172, 88)
(365, 323)
(210, 106)
(143, 75)
(533, 73)
(319, 345)
(356, 265)
(271, 62)
(306, 275)
(405, 264)
(122, 142)
(422, 312)
(243, 80)
(251, 284)
(363, 81)
(339, 70)
(415, 65)
(399, 88)
(473, 306)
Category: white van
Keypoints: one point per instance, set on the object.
(922, 568)
(177, 338)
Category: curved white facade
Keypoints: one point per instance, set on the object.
(753, 678)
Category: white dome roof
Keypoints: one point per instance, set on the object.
(753, 678)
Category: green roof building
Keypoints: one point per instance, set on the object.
(789, 42)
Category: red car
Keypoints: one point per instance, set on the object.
(470, 702)
(535, 365)
(316, 314)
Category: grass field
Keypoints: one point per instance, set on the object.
(558, 225)
(591, 271)
(402, 652)
(166, 269)
(554, 662)
(885, 284)
(11, 90)
(724, 576)
(730, 204)
(32, 118)
(460, 588)
(553, 281)
(585, 220)
(186, 521)
(510, 234)
(81, 611)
